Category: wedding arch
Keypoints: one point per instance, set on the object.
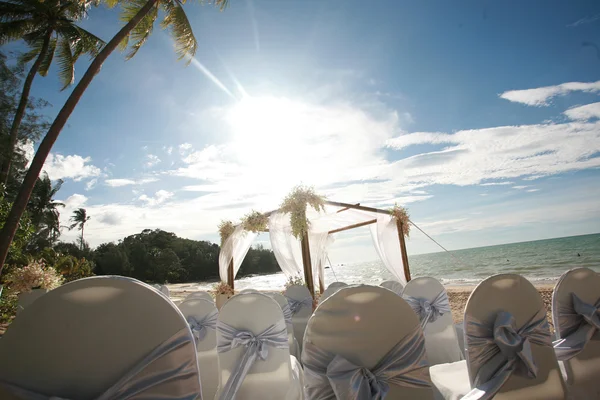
(302, 230)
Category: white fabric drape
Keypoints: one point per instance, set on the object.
(236, 246)
(285, 246)
(319, 243)
(385, 240)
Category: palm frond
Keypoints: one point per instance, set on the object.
(87, 44)
(66, 63)
(12, 12)
(15, 30)
(111, 3)
(143, 30)
(181, 31)
(47, 60)
(31, 55)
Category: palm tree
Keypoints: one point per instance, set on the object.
(43, 209)
(48, 27)
(78, 220)
(140, 17)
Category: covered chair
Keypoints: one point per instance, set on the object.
(509, 349)
(254, 357)
(99, 338)
(331, 289)
(301, 305)
(576, 316)
(287, 316)
(428, 298)
(394, 286)
(365, 342)
(200, 295)
(201, 316)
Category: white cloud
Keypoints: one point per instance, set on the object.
(184, 148)
(119, 182)
(152, 160)
(70, 167)
(497, 183)
(159, 197)
(91, 184)
(520, 187)
(541, 96)
(533, 190)
(168, 150)
(506, 152)
(586, 112)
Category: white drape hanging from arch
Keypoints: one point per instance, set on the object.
(236, 246)
(387, 244)
(285, 246)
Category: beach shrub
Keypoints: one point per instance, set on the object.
(294, 280)
(73, 268)
(35, 275)
(222, 288)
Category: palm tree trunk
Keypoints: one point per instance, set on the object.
(14, 129)
(12, 221)
(82, 226)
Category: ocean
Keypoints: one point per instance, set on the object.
(541, 261)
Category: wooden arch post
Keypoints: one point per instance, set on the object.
(230, 277)
(400, 226)
(306, 262)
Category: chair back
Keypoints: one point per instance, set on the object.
(331, 289)
(248, 290)
(363, 324)
(502, 312)
(576, 316)
(270, 378)
(287, 315)
(201, 314)
(200, 295)
(301, 310)
(394, 286)
(79, 340)
(441, 340)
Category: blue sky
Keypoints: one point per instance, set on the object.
(481, 117)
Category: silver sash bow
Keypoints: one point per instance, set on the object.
(199, 327)
(329, 376)
(287, 313)
(578, 324)
(169, 372)
(429, 311)
(499, 350)
(296, 305)
(257, 346)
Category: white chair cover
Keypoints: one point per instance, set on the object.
(202, 315)
(509, 352)
(331, 289)
(249, 290)
(200, 295)
(576, 316)
(76, 343)
(365, 339)
(300, 302)
(254, 357)
(337, 285)
(287, 316)
(428, 298)
(394, 286)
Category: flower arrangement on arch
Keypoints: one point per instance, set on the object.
(294, 281)
(255, 222)
(226, 229)
(296, 203)
(400, 213)
(35, 275)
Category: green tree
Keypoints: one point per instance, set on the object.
(49, 29)
(140, 17)
(78, 219)
(23, 235)
(111, 259)
(43, 210)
